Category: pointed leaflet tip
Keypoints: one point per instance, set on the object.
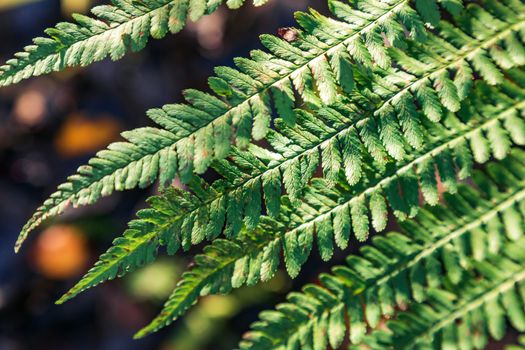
(30, 226)
(20, 241)
(63, 298)
(142, 333)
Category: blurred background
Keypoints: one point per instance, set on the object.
(51, 125)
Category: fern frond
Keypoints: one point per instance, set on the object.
(224, 264)
(127, 165)
(185, 219)
(387, 121)
(138, 245)
(262, 259)
(111, 31)
(480, 308)
(196, 133)
(435, 250)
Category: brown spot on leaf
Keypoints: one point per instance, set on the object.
(287, 33)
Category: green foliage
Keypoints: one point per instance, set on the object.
(362, 119)
(111, 31)
(139, 243)
(481, 306)
(193, 134)
(260, 250)
(438, 249)
(178, 218)
(216, 272)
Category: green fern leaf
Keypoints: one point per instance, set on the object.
(482, 308)
(112, 31)
(187, 129)
(173, 219)
(215, 275)
(298, 232)
(395, 271)
(391, 123)
(240, 189)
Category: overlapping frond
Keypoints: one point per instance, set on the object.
(140, 242)
(358, 121)
(463, 317)
(435, 250)
(247, 174)
(327, 217)
(222, 266)
(317, 65)
(112, 30)
(185, 219)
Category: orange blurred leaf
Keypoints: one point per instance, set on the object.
(81, 135)
(61, 252)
